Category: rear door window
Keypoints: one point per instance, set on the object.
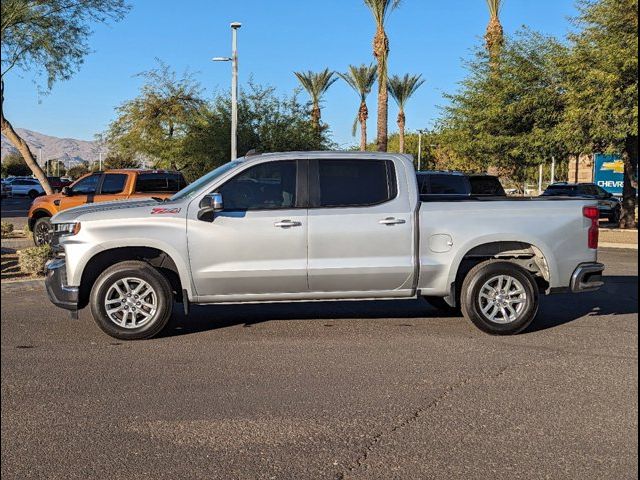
(448, 185)
(113, 183)
(159, 182)
(354, 183)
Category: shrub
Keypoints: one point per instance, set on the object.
(32, 260)
(7, 228)
(26, 230)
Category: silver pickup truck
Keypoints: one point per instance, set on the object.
(319, 227)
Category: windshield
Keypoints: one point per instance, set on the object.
(193, 188)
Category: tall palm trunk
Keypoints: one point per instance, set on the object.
(629, 202)
(381, 52)
(363, 116)
(494, 37)
(316, 116)
(17, 141)
(401, 124)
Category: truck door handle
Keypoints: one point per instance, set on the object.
(287, 224)
(392, 221)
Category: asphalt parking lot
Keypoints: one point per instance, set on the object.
(330, 390)
(14, 210)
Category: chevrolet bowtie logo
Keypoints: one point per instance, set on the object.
(617, 166)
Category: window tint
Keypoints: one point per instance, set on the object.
(423, 184)
(486, 186)
(560, 191)
(87, 185)
(352, 183)
(448, 185)
(268, 186)
(160, 182)
(113, 183)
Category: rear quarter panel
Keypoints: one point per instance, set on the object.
(557, 228)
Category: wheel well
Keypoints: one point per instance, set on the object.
(103, 260)
(37, 215)
(523, 254)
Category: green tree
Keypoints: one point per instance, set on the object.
(50, 39)
(54, 167)
(494, 36)
(402, 89)
(601, 81)
(77, 171)
(380, 10)
(154, 125)
(14, 165)
(115, 161)
(266, 123)
(316, 85)
(361, 79)
(509, 120)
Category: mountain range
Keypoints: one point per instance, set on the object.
(70, 150)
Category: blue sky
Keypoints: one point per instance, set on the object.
(427, 36)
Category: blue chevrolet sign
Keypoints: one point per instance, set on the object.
(609, 173)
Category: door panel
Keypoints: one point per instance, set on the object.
(84, 191)
(246, 253)
(258, 244)
(359, 248)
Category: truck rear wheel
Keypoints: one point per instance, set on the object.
(499, 297)
(131, 301)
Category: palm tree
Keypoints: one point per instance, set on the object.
(380, 10)
(316, 85)
(361, 79)
(401, 89)
(495, 33)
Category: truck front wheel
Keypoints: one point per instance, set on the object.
(131, 301)
(499, 297)
(42, 231)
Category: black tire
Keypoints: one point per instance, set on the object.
(440, 304)
(42, 231)
(471, 301)
(136, 270)
(33, 194)
(615, 217)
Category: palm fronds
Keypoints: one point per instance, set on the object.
(403, 88)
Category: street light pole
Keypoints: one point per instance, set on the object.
(234, 90)
(234, 87)
(420, 132)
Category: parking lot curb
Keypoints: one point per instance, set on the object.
(628, 246)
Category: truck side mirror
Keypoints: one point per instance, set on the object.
(66, 191)
(210, 205)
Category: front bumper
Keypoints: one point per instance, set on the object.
(587, 277)
(60, 295)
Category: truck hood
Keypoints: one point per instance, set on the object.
(113, 209)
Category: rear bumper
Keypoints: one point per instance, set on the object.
(60, 295)
(587, 277)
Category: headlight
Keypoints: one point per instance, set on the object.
(66, 228)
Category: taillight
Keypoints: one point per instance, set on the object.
(593, 214)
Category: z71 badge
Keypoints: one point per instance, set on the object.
(165, 211)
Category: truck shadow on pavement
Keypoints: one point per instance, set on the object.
(619, 296)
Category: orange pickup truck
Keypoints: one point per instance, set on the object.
(101, 187)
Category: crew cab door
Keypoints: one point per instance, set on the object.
(361, 233)
(257, 246)
(82, 191)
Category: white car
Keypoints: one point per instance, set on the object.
(26, 186)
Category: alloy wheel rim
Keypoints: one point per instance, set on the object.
(43, 234)
(131, 302)
(502, 299)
